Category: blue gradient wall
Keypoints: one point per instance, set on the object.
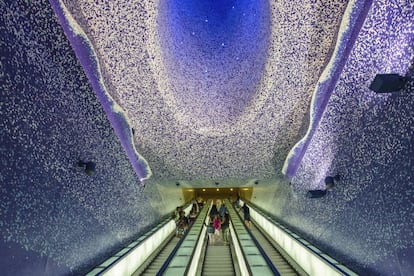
(215, 53)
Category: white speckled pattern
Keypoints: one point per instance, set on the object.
(205, 111)
(206, 104)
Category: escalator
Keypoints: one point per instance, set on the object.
(218, 260)
(283, 266)
(152, 266)
(171, 247)
(251, 251)
(180, 261)
(274, 256)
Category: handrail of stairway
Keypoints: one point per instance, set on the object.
(193, 267)
(203, 242)
(119, 263)
(322, 260)
(260, 248)
(241, 257)
(172, 254)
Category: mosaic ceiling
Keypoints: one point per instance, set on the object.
(211, 90)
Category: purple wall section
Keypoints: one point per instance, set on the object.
(15, 260)
(84, 51)
(326, 87)
(367, 138)
(55, 219)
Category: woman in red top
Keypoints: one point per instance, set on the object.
(217, 226)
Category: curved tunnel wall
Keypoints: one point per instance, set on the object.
(367, 138)
(126, 38)
(55, 219)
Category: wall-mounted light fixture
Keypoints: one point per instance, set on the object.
(387, 83)
(89, 167)
(330, 181)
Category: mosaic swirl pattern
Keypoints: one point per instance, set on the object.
(55, 220)
(202, 85)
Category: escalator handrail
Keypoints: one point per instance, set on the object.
(174, 251)
(203, 239)
(243, 262)
(140, 240)
(260, 248)
(300, 240)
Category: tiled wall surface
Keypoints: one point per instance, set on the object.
(367, 138)
(55, 219)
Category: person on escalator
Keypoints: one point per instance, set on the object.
(213, 212)
(222, 210)
(195, 208)
(210, 231)
(182, 225)
(246, 214)
(192, 217)
(238, 201)
(217, 227)
(225, 222)
(176, 214)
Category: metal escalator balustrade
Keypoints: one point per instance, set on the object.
(308, 257)
(180, 262)
(255, 258)
(154, 265)
(195, 263)
(284, 267)
(218, 259)
(132, 256)
(243, 269)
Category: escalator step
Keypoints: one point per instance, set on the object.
(220, 272)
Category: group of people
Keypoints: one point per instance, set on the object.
(183, 222)
(219, 221)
